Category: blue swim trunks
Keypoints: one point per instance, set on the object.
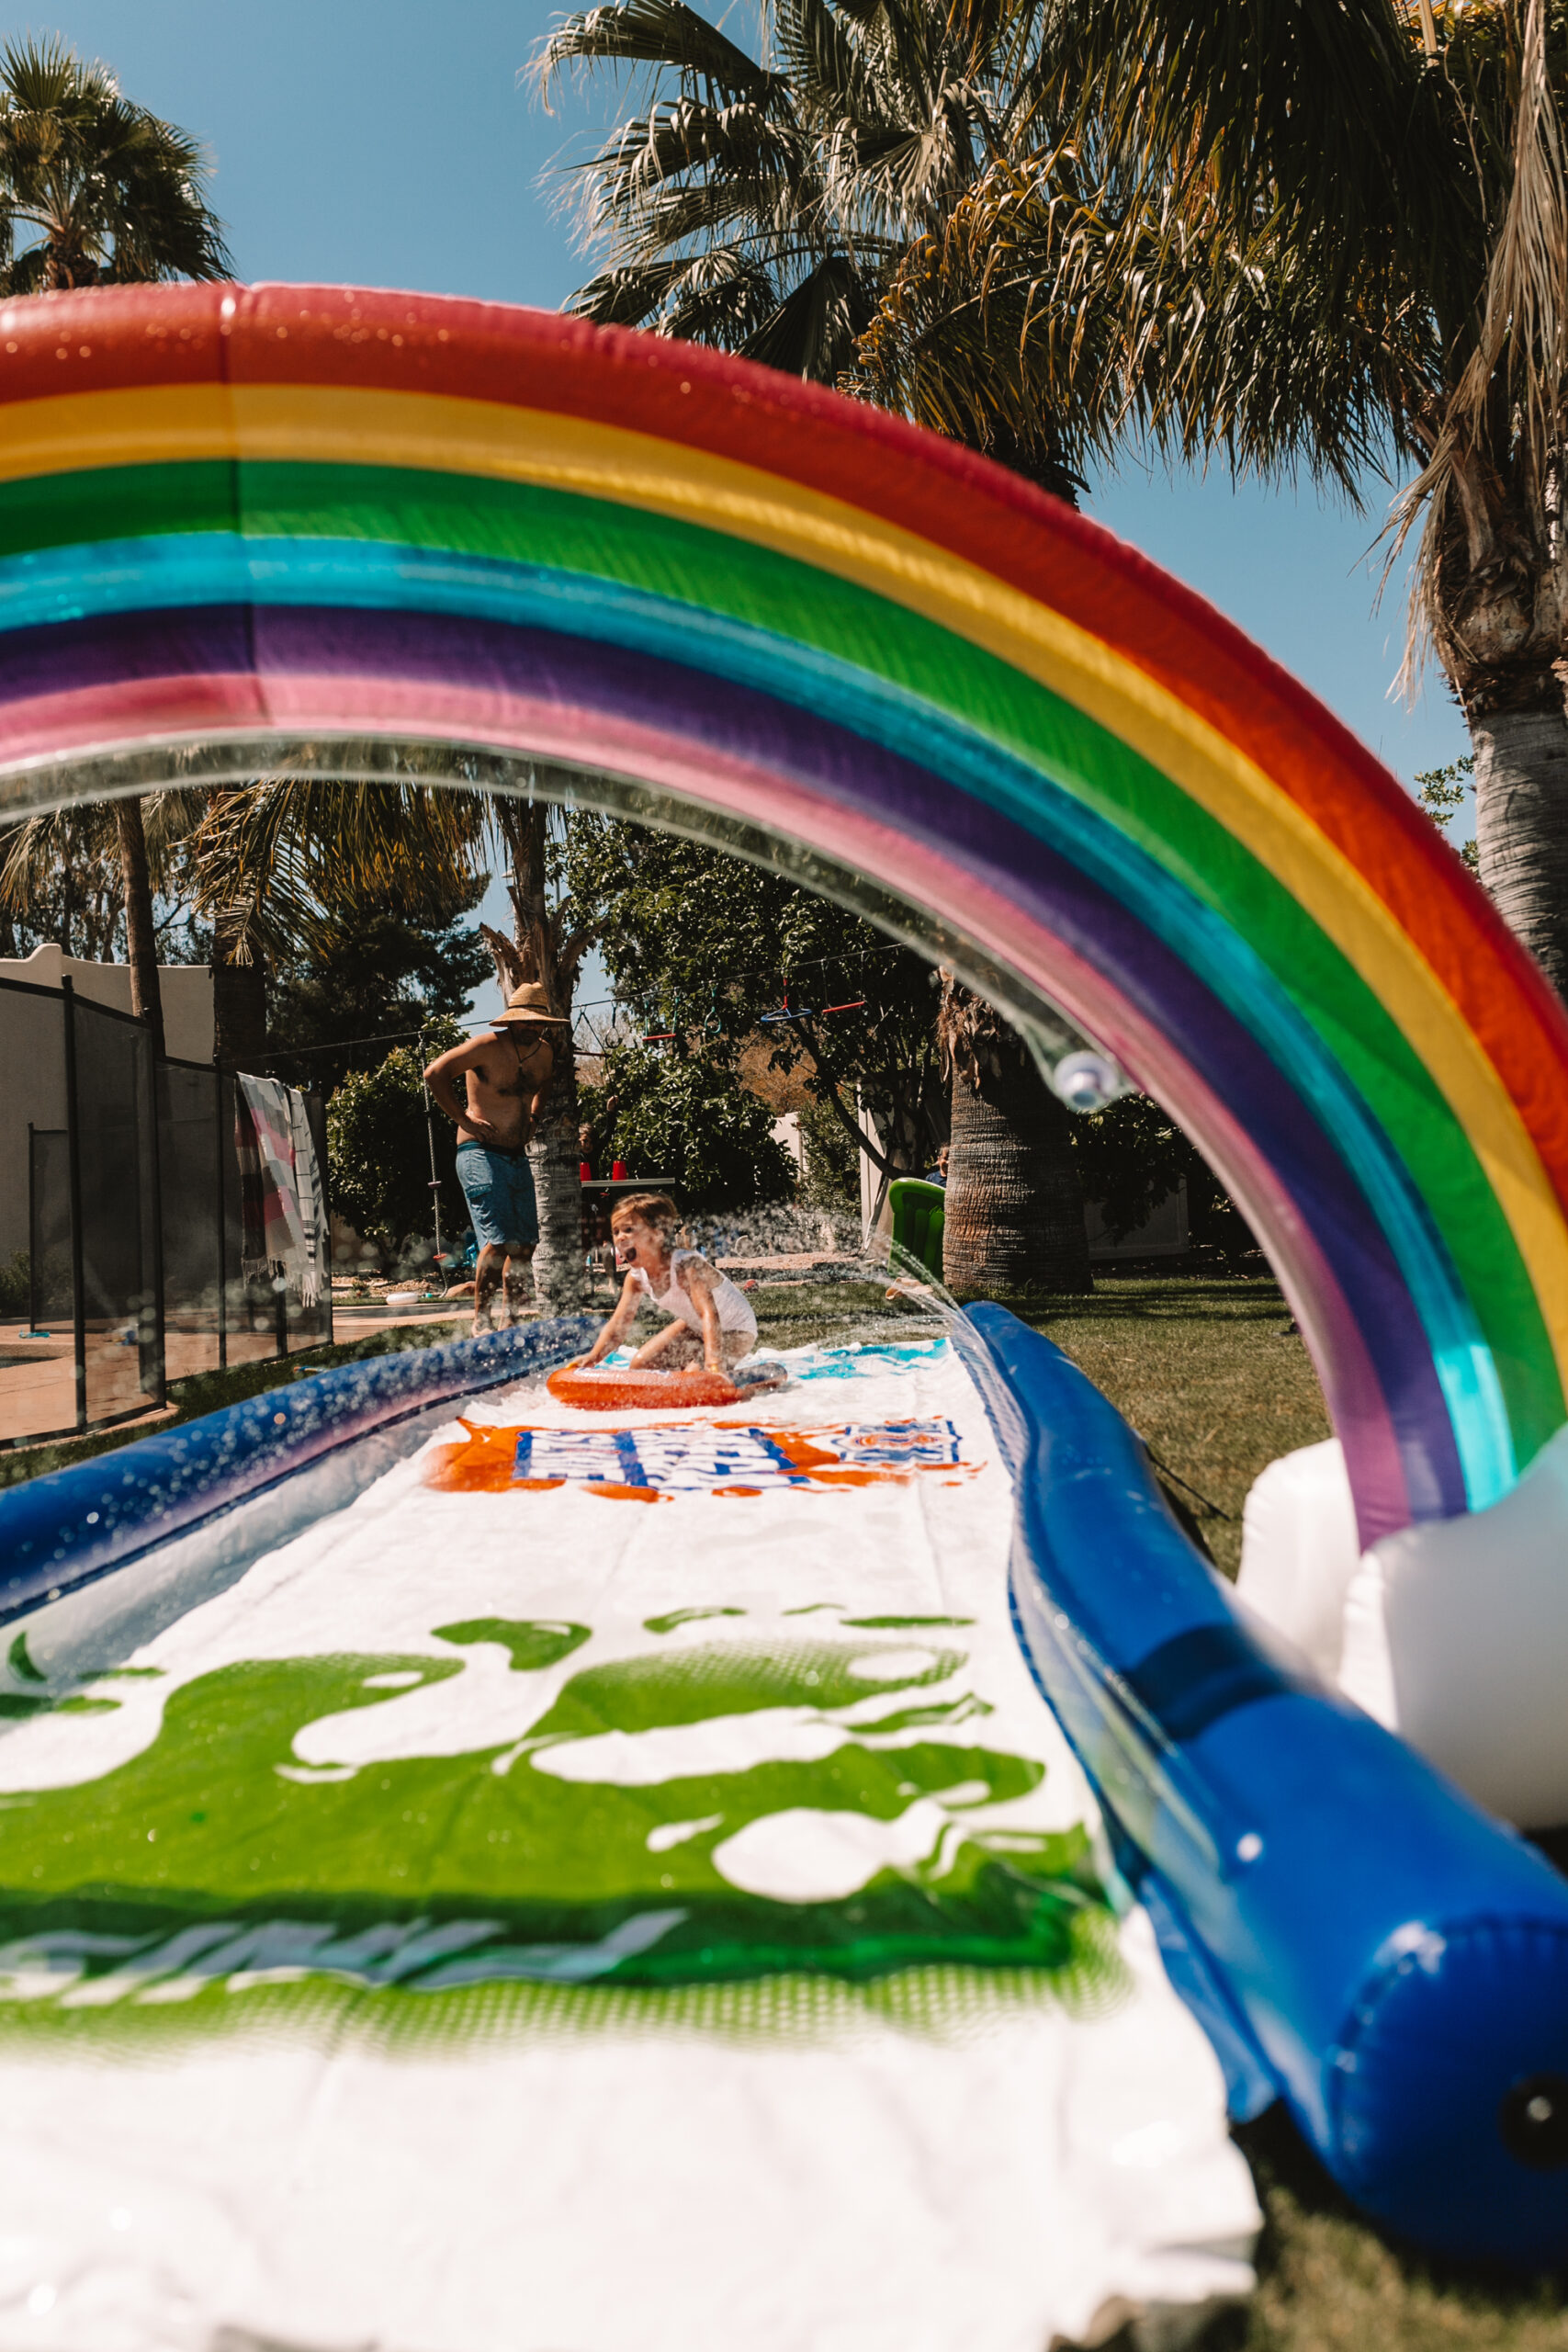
(499, 1188)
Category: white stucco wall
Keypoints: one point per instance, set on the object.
(186, 988)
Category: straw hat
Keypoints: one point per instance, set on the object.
(529, 1003)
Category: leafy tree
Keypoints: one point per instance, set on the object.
(1443, 792)
(682, 1117)
(96, 191)
(1330, 237)
(1131, 1157)
(832, 1176)
(378, 1153)
(710, 949)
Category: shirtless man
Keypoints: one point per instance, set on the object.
(505, 1077)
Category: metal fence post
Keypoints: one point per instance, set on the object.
(74, 1162)
(222, 1230)
(32, 1235)
(153, 1351)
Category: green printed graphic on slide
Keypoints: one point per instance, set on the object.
(728, 1810)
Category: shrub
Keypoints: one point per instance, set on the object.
(14, 1278)
(690, 1120)
(379, 1154)
(832, 1160)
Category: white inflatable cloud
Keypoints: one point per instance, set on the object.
(1453, 1634)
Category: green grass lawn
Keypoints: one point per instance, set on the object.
(1209, 1373)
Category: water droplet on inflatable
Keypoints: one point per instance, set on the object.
(1087, 1081)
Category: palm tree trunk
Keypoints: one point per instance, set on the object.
(1015, 1219)
(555, 1157)
(141, 938)
(1521, 826)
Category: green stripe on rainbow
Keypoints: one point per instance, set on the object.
(564, 536)
(846, 580)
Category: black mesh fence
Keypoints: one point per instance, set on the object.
(49, 1294)
(141, 1264)
(114, 1185)
(194, 1151)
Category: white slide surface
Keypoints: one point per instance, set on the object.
(512, 1917)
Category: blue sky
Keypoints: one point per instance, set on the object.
(389, 145)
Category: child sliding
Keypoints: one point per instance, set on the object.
(711, 1321)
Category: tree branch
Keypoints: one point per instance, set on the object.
(835, 1101)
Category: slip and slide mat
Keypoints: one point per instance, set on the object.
(612, 1887)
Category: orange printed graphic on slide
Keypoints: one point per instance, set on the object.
(659, 1460)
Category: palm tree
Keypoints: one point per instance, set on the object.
(96, 191)
(148, 846)
(1014, 1217)
(44, 860)
(107, 193)
(765, 204)
(1339, 239)
(60, 880)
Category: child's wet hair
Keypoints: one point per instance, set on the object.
(656, 1210)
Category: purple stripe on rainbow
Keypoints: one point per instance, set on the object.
(708, 725)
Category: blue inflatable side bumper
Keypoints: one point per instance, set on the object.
(63, 1531)
(1356, 1936)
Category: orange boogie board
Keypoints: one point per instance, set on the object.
(620, 1389)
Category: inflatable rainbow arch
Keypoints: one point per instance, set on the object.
(233, 522)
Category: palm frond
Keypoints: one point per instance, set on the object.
(1274, 107)
(735, 160)
(1056, 319)
(274, 859)
(825, 60)
(1495, 460)
(34, 852)
(662, 33)
(813, 332)
(628, 296)
(721, 297)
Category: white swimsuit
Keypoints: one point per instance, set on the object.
(734, 1308)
